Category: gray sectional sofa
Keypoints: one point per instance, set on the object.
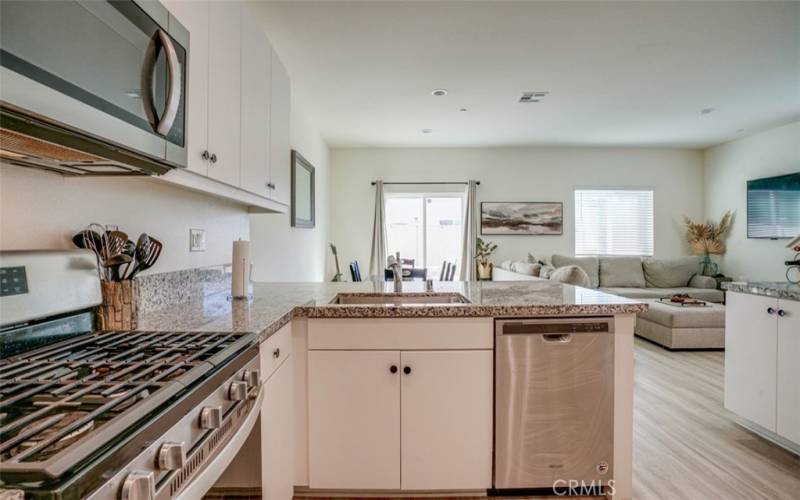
(632, 277)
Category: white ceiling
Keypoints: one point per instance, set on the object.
(618, 73)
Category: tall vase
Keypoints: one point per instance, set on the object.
(708, 267)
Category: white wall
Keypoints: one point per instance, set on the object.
(518, 174)
(281, 252)
(43, 210)
(728, 167)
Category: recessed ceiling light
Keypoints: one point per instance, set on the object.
(463, 109)
(706, 111)
(740, 130)
(427, 130)
(439, 92)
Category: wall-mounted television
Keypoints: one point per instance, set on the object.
(773, 207)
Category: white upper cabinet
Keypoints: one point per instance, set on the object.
(224, 92)
(238, 107)
(194, 17)
(280, 123)
(256, 95)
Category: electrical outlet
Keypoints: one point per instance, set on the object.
(197, 240)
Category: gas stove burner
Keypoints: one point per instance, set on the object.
(54, 428)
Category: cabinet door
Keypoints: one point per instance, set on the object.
(353, 420)
(789, 370)
(280, 123)
(751, 335)
(256, 92)
(224, 91)
(277, 434)
(446, 420)
(194, 17)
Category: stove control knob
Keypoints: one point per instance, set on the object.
(237, 391)
(211, 417)
(252, 377)
(171, 456)
(138, 485)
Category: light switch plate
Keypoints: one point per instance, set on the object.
(197, 240)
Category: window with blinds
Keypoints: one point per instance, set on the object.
(613, 222)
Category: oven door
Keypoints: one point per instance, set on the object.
(113, 69)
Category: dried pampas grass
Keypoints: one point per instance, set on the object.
(707, 237)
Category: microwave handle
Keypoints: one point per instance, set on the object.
(164, 124)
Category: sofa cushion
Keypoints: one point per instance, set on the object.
(590, 266)
(506, 264)
(572, 275)
(622, 271)
(546, 271)
(700, 281)
(657, 293)
(670, 273)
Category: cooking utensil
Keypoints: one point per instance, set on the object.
(151, 251)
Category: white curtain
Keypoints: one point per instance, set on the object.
(377, 258)
(470, 235)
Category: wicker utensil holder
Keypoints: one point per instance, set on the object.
(118, 310)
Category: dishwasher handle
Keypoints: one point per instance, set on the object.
(557, 338)
(554, 327)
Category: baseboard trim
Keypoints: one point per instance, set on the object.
(769, 435)
(234, 492)
(302, 491)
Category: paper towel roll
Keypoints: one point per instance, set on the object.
(240, 281)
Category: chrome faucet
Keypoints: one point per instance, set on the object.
(396, 265)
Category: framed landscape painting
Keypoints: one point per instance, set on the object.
(525, 218)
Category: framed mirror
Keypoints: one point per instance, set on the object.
(302, 191)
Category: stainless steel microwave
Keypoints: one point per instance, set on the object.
(93, 87)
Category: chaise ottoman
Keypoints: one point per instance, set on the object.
(683, 327)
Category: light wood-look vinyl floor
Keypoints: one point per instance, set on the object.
(687, 446)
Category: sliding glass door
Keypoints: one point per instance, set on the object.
(425, 227)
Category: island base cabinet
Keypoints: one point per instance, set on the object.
(446, 422)
(400, 420)
(750, 357)
(353, 420)
(788, 419)
(277, 435)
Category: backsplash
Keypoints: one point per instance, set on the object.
(162, 290)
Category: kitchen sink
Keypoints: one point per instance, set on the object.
(399, 299)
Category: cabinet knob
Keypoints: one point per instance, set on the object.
(407, 370)
(276, 353)
(770, 310)
(271, 185)
(213, 158)
(206, 155)
(781, 313)
(393, 368)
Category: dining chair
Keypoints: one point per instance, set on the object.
(448, 271)
(355, 271)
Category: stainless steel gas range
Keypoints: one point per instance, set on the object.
(114, 415)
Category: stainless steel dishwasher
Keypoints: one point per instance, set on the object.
(554, 402)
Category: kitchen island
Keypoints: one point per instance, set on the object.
(363, 420)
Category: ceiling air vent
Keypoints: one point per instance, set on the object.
(532, 96)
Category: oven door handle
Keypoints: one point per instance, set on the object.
(206, 478)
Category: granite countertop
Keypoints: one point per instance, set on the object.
(777, 289)
(275, 304)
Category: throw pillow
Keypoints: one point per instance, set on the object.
(670, 273)
(590, 266)
(572, 275)
(621, 272)
(546, 271)
(527, 268)
(506, 264)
